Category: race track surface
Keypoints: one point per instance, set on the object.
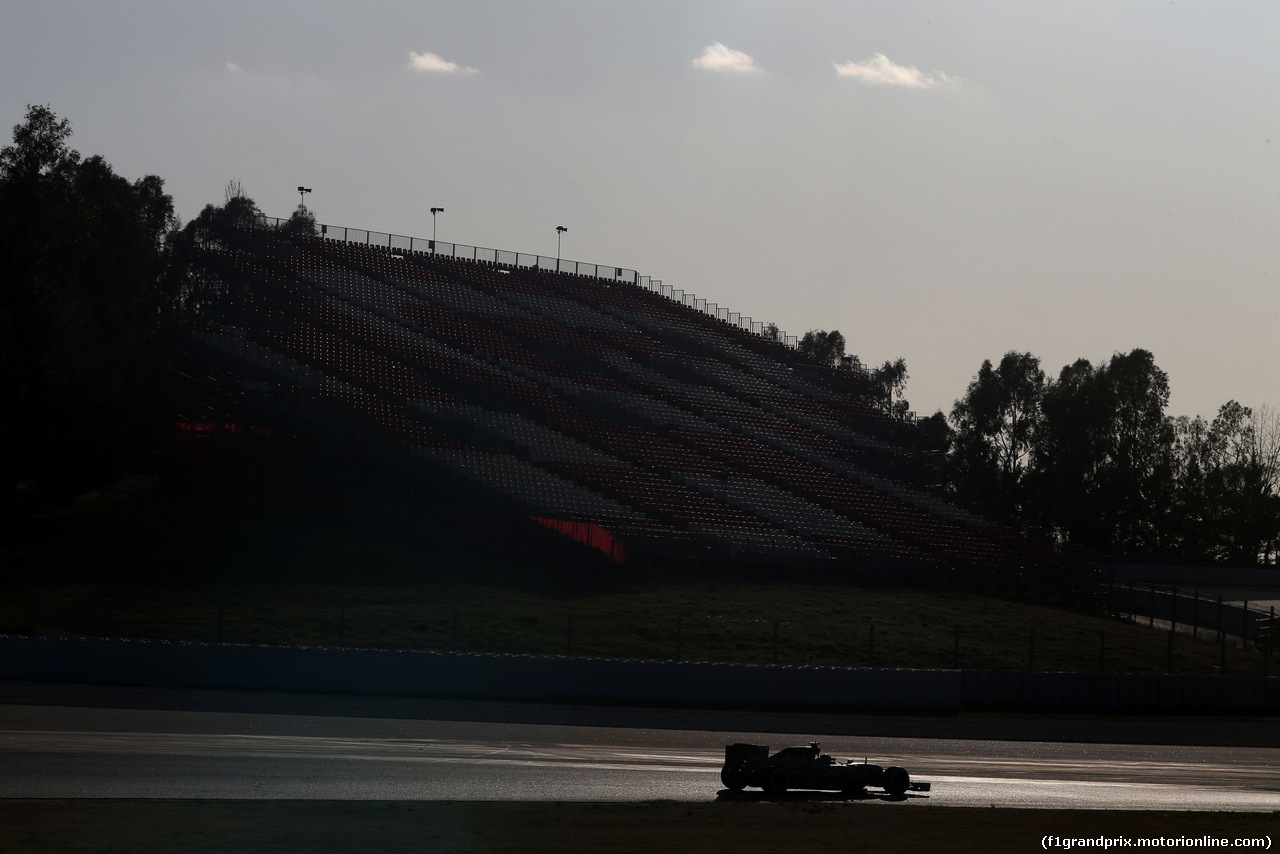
(92, 752)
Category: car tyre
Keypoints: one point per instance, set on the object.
(733, 781)
(896, 781)
(777, 783)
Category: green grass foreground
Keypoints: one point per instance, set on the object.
(262, 566)
(823, 624)
(301, 827)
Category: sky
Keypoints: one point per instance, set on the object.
(942, 182)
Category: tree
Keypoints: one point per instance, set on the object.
(822, 346)
(196, 286)
(1104, 464)
(1092, 458)
(996, 425)
(936, 438)
(302, 221)
(1227, 505)
(1192, 460)
(83, 258)
(236, 211)
(890, 381)
(1266, 439)
(39, 148)
(887, 383)
(1140, 468)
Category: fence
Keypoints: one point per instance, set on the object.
(463, 676)
(721, 313)
(517, 260)
(794, 640)
(1167, 607)
(564, 679)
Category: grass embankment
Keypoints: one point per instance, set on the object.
(144, 562)
(298, 827)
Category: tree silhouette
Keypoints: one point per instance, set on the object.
(1227, 472)
(890, 380)
(822, 346)
(83, 255)
(196, 285)
(302, 221)
(996, 424)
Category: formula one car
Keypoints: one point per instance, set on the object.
(807, 768)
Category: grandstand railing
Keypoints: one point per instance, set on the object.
(733, 318)
(501, 257)
(507, 258)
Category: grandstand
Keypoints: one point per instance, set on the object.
(632, 418)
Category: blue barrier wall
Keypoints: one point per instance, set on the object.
(534, 678)
(1154, 692)
(464, 676)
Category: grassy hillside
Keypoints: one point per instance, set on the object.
(267, 565)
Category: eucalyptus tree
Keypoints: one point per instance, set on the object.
(822, 346)
(890, 386)
(1103, 468)
(83, 275)
(1228, 475)
(996, 426)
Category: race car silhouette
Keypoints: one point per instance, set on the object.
(808, 768)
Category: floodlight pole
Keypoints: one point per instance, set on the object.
(434, 211)
(302, 197)
(560, 229)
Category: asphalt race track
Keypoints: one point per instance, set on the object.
(87, 752)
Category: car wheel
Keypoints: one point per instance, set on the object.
(896, 780)
(777, 783)
(733, 781)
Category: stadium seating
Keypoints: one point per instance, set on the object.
(568, 397)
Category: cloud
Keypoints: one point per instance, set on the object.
(717, 57)
(430, 63)
(880, 70)
(233, 68)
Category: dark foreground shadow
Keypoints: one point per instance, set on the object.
(805, 796)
